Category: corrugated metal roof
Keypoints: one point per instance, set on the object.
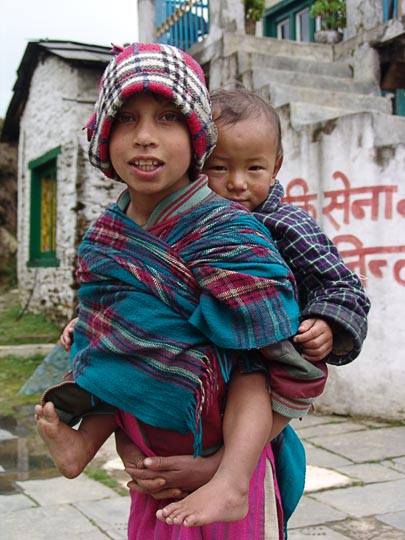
(81, 52)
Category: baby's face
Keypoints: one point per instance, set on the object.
(244, 164)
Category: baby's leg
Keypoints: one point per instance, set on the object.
(247, 426)
(72, 449)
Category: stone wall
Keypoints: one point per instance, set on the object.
(349, 174)
(8, 213)
(61, 100)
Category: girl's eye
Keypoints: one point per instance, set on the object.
(170, 116)
(256, 168)
(124, 118)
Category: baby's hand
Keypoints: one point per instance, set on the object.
(66, 339)
(315, 339)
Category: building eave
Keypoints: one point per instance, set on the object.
(79, 54)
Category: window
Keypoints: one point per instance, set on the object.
(283, 29)
(43, 210)
(290, 19)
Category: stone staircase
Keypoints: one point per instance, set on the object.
(304, 75)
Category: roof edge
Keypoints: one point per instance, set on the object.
(28, 64)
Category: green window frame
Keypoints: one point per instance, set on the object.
(284, 14)
(43, 211)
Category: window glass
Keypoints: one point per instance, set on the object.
(284, 30)
(302, 25)
(48, 213)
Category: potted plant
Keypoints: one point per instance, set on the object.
(254, 11)
(332, 14)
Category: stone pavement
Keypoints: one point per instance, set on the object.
(355, 489)
(26, 350)
(355, 485)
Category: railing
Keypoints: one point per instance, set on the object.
(390, 9)
(181, 23)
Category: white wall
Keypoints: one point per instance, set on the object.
(59, 105)
(366, 219)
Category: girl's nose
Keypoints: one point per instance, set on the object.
(144, 134)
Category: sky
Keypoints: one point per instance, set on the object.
(87, 21)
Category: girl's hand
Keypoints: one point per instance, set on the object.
(164, 477)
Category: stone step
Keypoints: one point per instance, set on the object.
(280, 94)
(259, 76)
(388, 129)
(309, 113)
(256, 60)
(315, 52)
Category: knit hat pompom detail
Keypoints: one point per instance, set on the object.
(160, 69)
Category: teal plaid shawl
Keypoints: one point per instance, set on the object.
(164, 311)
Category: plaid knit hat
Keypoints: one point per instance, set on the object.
(160, 69)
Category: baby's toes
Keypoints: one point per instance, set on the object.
(191, 520)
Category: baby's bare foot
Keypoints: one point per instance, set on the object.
(48, 421)
(61, 440)
(218, 500)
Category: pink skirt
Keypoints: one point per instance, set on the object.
(263, 522)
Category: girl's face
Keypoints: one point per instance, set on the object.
(150, 148)
(245, 162)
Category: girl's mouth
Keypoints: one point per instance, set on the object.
(146, 164)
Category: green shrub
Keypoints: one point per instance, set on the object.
(331, 12)
(254, 9)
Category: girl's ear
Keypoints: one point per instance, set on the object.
(277, 165)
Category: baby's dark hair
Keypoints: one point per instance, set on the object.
(230, 106)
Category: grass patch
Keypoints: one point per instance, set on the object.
(104, 478)
(17, 329)
(28, 328)
(14, 371)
